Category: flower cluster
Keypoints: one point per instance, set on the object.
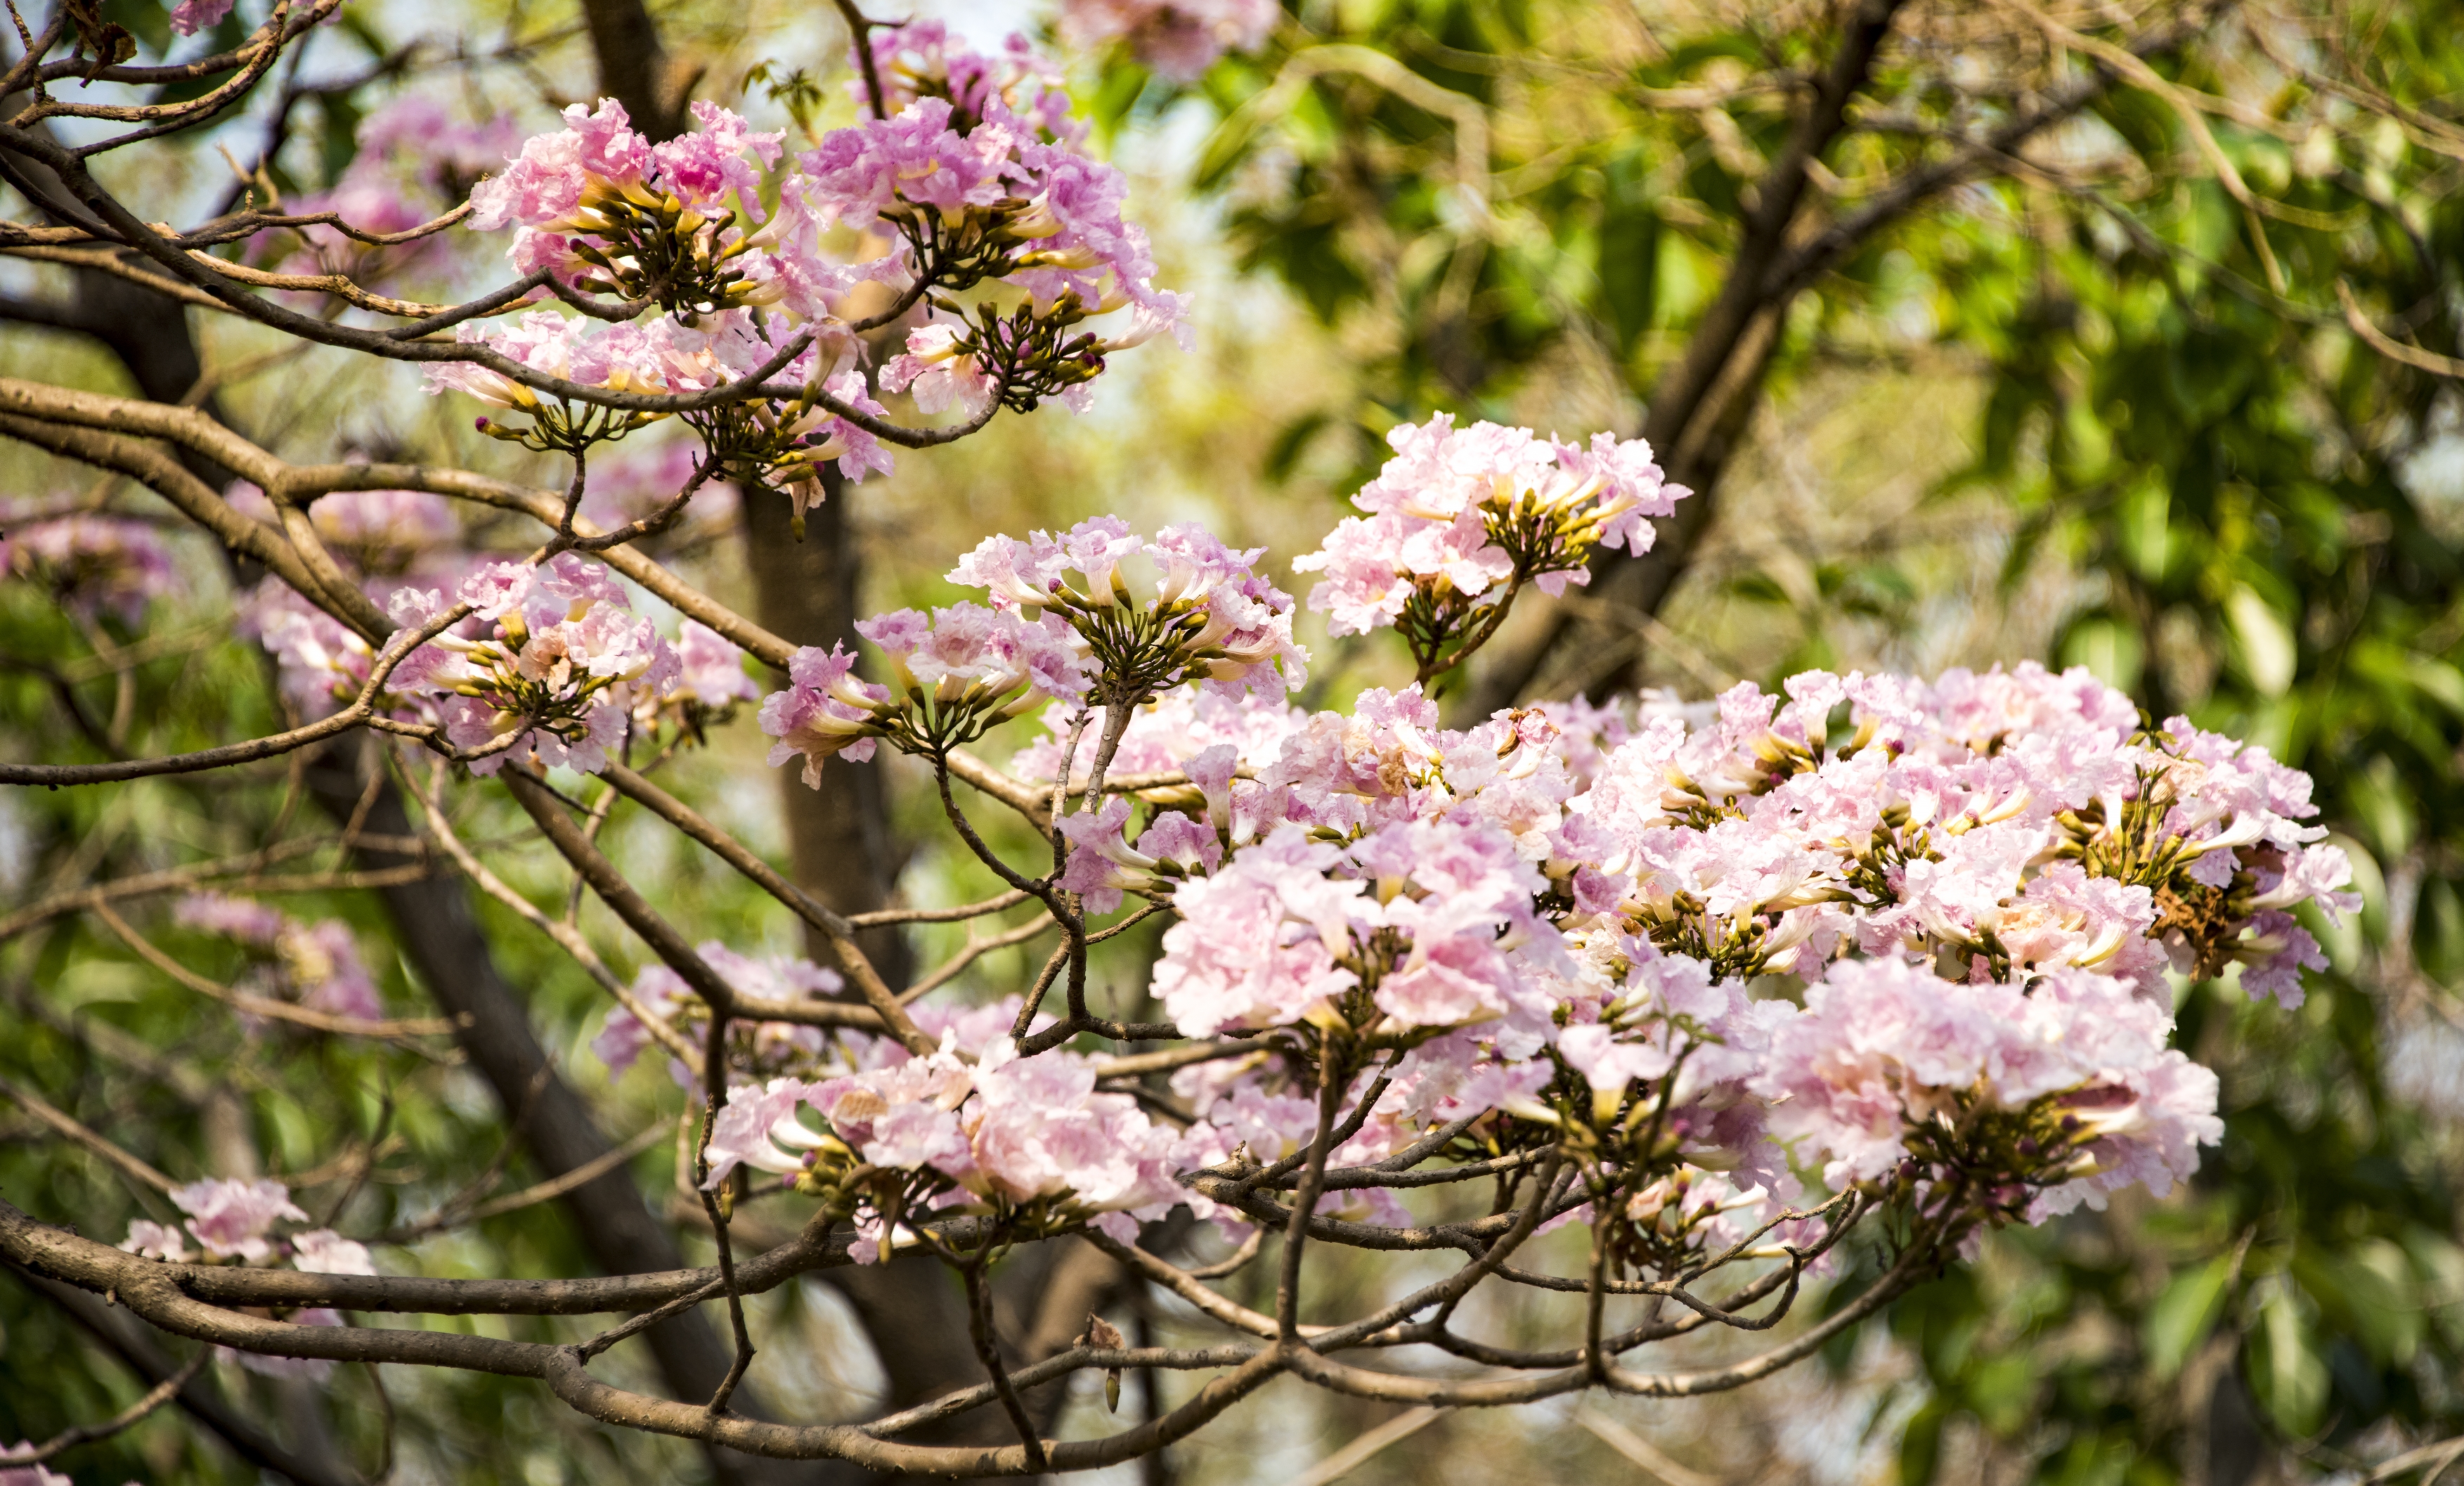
(2033, 1100)
(1179, 39)
(762, 1047)
(561, 667)
(192, 17)
(975, 179)
(414, 159)
(232, 1219)
(960, 670)
(923, 60)
(1027, 1140)
(317, 965)
(1984, 880)
(1461, 519)
(1214, 619)
(91, 564)
(605, 210)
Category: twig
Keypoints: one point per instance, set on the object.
(155, 1397)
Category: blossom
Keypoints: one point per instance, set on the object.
(930, 169)
(1178, 38)
(824, 710)
(192, 17)
(92, 565)
(231, 1217)
(1883, 1050)
(324, 1251)
(941, 370)
(621, 358)
(555, 677)
(1214, 617)
(1018, 87)
(1258, 941)
(710, 668)
(321, 665)
(969, 654)
(1463, 511)
(1006, 1129)
(155, 1241)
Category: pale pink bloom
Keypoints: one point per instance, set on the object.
(155, 1241)
(968, 651)
(192, 17)
(1179, 40)
(1020, 87)
(231, 1217)
(324, 1251)
(823, 711)
(92, 565)
(941, 371)
(742, 1133)
(1432, 506)
(711, 669)
(1883, 1047)
(558, 674)
(1257, 940)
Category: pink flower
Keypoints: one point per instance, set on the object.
(558, 674)
(744, 1133)
(823, 711)
(92, 565)
(710, 668)
(1461, 511)
(941, 370)
(705, 163)
(231, 1217)
(1883, 1049)
(1018, 88)
(1179, 39)
(192, 17)
(324, 1251)
(969, 654)
(1257, 942)
(154, 1241)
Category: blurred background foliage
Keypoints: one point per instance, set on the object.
(2096, 397)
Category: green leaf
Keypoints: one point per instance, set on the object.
(2263, 639)
(2182, 1315)
(2288, 1374)
(1921, 1444)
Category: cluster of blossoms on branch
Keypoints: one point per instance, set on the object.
(1212, 621)
(317, 965)
(1179, 39)
(1461, 519)
(91, 564)
(753, 265)
(559, 670)
(969, 1127)
(1560, 928)
(232, 1222)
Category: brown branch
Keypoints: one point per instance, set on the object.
(72, 1129)
(654, 931)
(386, 1029)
